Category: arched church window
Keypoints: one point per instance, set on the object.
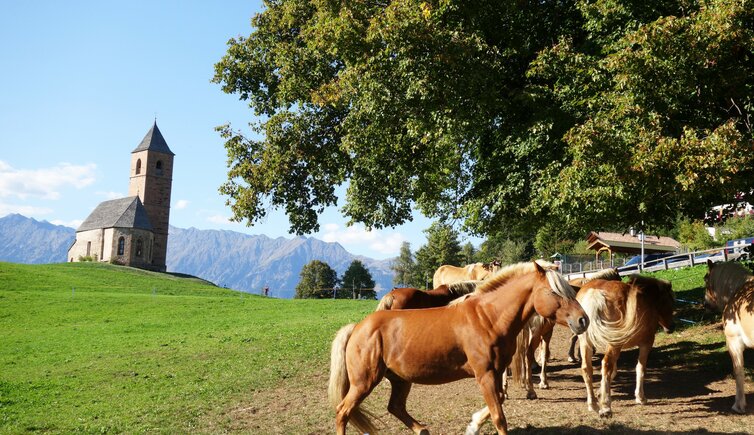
(139, 247)
(138, 167)
(158, 166)
(121, 245)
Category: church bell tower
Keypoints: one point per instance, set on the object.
(152, 181)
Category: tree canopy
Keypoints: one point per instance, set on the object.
(358, 279)
(504, 115)
(318, 280)
(442, 248)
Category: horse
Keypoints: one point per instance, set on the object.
(609, 274)
(473, 338)
(622, 315)
(729, 288)
(448, 274)
(410, 298)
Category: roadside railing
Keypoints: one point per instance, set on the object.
(671, 262)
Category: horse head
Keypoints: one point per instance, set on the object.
(555, 299)
(666, 302)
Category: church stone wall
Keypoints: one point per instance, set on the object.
(130, 237)
(87, 240)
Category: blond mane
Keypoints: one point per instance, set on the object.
(507, 273)
(727, 279)
(463, 287)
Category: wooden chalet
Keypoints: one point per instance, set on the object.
(628, 244)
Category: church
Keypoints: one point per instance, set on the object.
(133, 231)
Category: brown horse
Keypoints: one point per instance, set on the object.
(622, 315)
(448, 274)
(610, 274)
(474, 338)
(730, 289)
(403, 298)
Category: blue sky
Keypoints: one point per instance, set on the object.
(80, 86)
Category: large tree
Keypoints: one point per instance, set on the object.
(318, 280)
(588, 114)
(358, 279)
(404, 268)
(442, 248)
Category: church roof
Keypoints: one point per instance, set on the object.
(118, 213)
(154, 141)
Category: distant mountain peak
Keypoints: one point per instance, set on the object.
(229, 258)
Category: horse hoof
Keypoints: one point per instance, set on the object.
(606, 413)
(424, 432)
(572, 360)
(531, 395)
(471, 429)
(738, 409)
(592, 407)
(544, 386)
(641, 401)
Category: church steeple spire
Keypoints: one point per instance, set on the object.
(154, 141)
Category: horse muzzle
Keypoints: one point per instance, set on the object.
(669, 329)
(580, 325)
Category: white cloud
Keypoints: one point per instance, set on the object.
(73, 224)
(218, 219)
(44, 183)
(376, 240)
(181, 204)
(26, 210)
(110, 195)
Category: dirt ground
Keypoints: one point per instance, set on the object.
(684, 396)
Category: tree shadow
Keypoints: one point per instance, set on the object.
(678, 370)
(614, 428)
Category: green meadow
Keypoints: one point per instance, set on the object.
(91, 348)
(98, 348)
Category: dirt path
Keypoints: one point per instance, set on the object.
(683, 398)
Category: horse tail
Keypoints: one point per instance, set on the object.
(602, 332)
(386, 302)
(339, 384)
(519, 361)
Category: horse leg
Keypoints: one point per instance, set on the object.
(489, 382)
(641, 367)
(479, 417)
(505, 384)
(477, 420)
(528, 362)
(609, 368)
(354, 397)
(736, 348)
(571, 356)
(543, 384)
(397, 405)
(362, 381)
(587, 371)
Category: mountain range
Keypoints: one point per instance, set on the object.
(227, 258)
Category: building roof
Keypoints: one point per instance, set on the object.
(618, 242)
(118, 213)
(153, 141)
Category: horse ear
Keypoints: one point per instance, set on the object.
(710, 264)
(539, 268)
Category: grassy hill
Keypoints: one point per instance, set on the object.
(100, 348)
